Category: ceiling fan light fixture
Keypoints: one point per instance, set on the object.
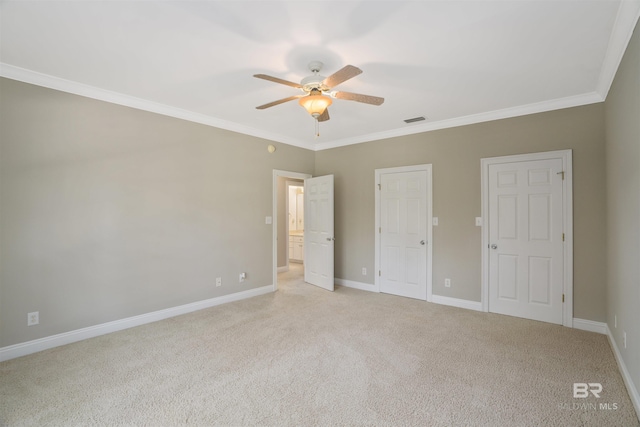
(319, 91)
(315, 103)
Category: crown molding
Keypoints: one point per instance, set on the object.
(523, 110)
(626, 20)
(39, 79)
(51, 82)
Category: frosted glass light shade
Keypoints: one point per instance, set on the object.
(315, 104)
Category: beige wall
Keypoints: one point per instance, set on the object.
(107, 212)
(455, 155)
(622, 116)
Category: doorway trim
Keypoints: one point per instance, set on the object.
(567, 222)
(274, 219)
(428, 169)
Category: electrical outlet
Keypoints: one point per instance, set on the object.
(218, 281)
(447, 283)
(624, 339)
(434, 221)
(478, 221)
(242, 277)
(33, 318)
(364, 271)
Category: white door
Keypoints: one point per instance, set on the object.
(318, 231)
(526, 239)
(403, 234)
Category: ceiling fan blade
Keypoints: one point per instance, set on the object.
(342, 75)
(280, 101)
(367, 99)
(277, 80)
(324, 116)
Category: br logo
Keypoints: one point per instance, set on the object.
(582, 390)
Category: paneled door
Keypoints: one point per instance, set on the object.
(403, 234)
(318, 231)
(526, 239)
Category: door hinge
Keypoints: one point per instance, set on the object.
(563, 237)
(562, 297)
(561, 173)
(379, 187)
(379, 229)
(379, 273)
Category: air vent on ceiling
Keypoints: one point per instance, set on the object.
(415, 119)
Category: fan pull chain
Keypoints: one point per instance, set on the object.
(317, 128)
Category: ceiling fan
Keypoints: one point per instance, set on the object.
(318, 90)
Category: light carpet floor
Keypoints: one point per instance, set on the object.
(303, 356)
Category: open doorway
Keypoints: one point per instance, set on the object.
(288, 227)
(295, 222)
(293, 262)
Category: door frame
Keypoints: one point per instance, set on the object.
(567, 220)
(428, 169)
(274, 219)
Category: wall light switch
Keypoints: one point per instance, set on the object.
(268, 220)
(479, 221)
(435, 220)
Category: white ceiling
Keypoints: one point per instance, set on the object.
(453, 62)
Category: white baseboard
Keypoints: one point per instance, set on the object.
(23, 349)
(437, 299)
(590, 325)
(456, 302)
(283, 269)
(355, 285)
(628, 381)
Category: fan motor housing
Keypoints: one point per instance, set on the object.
(314, 82)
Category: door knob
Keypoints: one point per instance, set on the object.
(494, 246)
(422, 242)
